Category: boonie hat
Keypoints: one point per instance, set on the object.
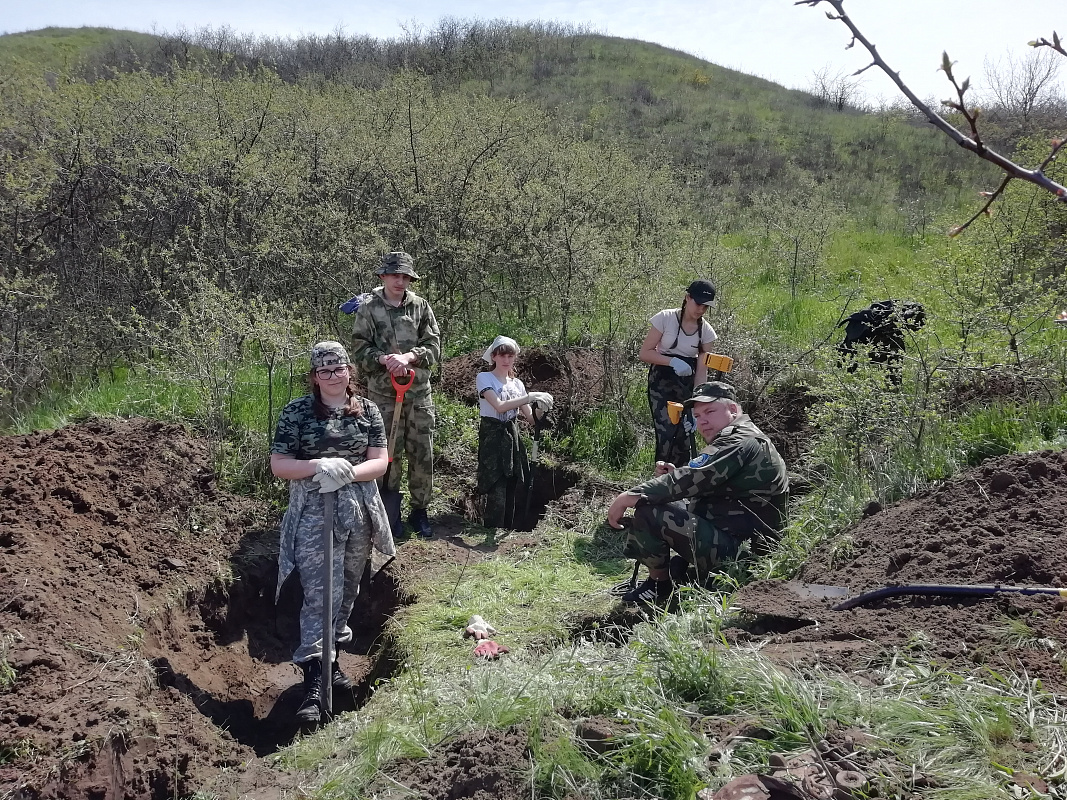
(398, 263)
(329, 354)
(703, 292)
(712, 390)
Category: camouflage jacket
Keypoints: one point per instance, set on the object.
(380, 328)
(301, 435)
(738, 482)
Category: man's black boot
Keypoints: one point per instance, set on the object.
(651, 591)
(420, 521)
(392, 502)
(339, 679)
(310, 711)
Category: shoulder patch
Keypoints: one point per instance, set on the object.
(700, 461)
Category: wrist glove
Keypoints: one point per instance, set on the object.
(328, 484)
(489, 649)
(337, 468)
(478, 628)
(681, 368)
(542, 400)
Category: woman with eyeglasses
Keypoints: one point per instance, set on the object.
(675, 340)
(331, 440)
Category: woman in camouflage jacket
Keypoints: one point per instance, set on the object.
(331, 440)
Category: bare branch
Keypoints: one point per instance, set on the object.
(1055, 44)
(991, 198)
(972, 143)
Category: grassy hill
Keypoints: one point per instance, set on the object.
(66, 49)
(728, 135)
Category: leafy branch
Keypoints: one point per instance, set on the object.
(972, 142)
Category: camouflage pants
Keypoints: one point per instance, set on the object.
(414, 441)
(350, 553)
(673, 444)
(658, 529)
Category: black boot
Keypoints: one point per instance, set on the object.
(392, 502)
(310, 711)
(339, 679)
(420, 521)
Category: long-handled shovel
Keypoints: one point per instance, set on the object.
(392, 500)
(945, 590)
(815, 591)
(539, 425)
(326, 681)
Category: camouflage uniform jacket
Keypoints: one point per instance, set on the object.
(300, 435)
(738, 482)
(380, 328)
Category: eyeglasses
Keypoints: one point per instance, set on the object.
(326, 373)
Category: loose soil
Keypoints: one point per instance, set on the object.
(484, 765)
(1001, 522)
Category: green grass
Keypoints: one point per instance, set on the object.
(675, 673)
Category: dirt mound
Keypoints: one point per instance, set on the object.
(574, 377)
(1001, 522)
(490, 765)
(132, 665)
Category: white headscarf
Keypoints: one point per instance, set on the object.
(487, 356)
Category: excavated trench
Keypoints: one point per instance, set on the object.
(228, 651)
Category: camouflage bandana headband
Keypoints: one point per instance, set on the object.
(329, 354)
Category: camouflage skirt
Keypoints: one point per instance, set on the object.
(502, 467)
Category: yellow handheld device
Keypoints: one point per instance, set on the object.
(674, 412)
(722, 364)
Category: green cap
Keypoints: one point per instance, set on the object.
(712, 390)
(398, 263)
(329, 354)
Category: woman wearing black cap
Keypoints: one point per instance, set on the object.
(675, 340)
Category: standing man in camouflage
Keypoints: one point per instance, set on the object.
(395, 331)
(736, 489)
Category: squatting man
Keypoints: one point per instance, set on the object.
(735, 489)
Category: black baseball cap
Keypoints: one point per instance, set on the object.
(712, 390)
(703, 292)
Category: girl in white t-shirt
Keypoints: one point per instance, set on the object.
(502, 462)
(675, 340)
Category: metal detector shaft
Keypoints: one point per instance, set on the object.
(326, 692)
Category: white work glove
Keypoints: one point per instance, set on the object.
(688, 425)
(337, 468)
(681, 368)
(542, 400)
(328, 484)
(478, 628)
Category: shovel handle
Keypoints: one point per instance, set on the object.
(402, 388)
(946, 590)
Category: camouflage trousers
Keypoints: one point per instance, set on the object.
(414, 443)
(657, 529)
(350, 554)
(673, 444)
